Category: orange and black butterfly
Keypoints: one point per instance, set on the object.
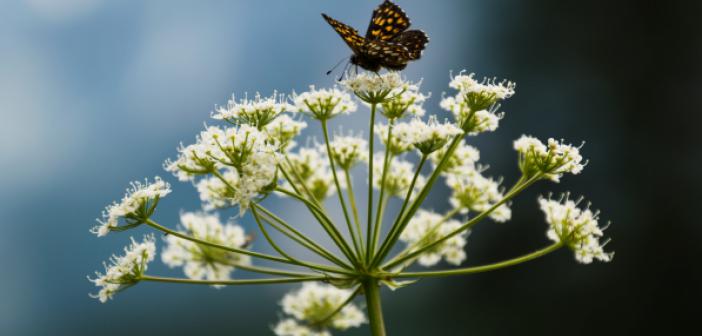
(387, 44)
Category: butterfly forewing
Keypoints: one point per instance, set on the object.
(387, 21)
(347, 33)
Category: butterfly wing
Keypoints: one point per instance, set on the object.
(414, 40)
(347, 33)
(391, 55)
(387, 21)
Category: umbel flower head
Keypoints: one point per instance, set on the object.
(257, 112)
(201, 261)
(427, 227)
(400, 142)
(576, 228)
(311, 307)
(311, 166)
(398, 178)
(463, 158)
(138, 203)
(428, 137)
(373, 88)
(324, 104)
(282, 130)
(402, 100)
(475, 105)
(471, 191)
(124, 271)
(347, 151)
(552, 160)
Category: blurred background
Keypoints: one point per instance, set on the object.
(97, 93)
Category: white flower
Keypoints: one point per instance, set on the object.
(430, 136)
(471, 121)
(290, 327)
(576, 228)
(124, 271)
(463, 158)
(313, 304)
(467, 84)
(472, 191)
(400, 140)
(138, 203)
(374, 88)
(283, 129)
(348, 151)
(312, 166)
(553, 160)
(403, 99)
(257, 112)
(398, 178)
(324, 104)
(427, 227)
(205, 262)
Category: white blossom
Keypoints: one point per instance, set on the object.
(312, 167)
(576, 228)
(398, 178)
(124, 271)
(258, 112)
(324, 104)
(201, 261)
(427, 227)
(553, 159)
(430, 136)
(464, 157)
(471, 121)
(282, 130)
(138, 202)
(373, 88)
(466, 84)
(470, 190)
(348, 151)
(405, 99)
(311, 307)
(400, 140)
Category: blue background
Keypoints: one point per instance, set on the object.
(96, 93)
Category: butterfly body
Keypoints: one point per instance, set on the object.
(387, 44)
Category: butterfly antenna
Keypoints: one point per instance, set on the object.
(343, 73)
(336, 66)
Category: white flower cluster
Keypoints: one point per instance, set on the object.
(373, 88)
(427, 227)
(576, 228)
(311, 309)
(399, 142)
(472, 191)
(464, 157)
(139, 202)
(426, 137)
(398, 178)
(404, 99)
(282, 130)
(124, 271)
(553, 159)
(324, 104)
(311, 165)
(347, 151)
(258, 111)
(201, 261)
(243, 155)
(475, 104)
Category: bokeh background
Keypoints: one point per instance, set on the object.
(96, 93)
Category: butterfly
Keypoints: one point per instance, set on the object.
(387, 44)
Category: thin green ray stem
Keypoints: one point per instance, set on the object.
(371, 140)
(309, 243)
(373, 245)
(514, 192)
(385, 246)
(232, 282)
(483, 268)
(271, 271)
(354, 208)
(339, 193)
(340, 307)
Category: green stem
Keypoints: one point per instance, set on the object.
(385, 247)
(354, 208)
(375, 309)
(371, 140)
(484, 268)
(339, 193)
(514, 191)
(372, 246)
(231, 282)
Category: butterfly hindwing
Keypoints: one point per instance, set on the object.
(391, 55)
(347, 33)
(387, 21)
(414, 40)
